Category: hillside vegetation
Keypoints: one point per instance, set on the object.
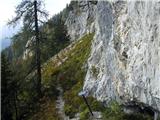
(64, 64)
(70, 75)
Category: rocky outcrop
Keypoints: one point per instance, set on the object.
(28, 51)
(125, 59)
(81, 19)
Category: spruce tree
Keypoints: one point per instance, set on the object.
(28, 12)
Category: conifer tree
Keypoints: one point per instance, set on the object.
(28, 11)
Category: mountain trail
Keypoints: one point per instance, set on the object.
(60, 104)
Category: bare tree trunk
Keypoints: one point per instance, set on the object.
(38, 62)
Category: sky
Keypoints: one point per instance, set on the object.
(7, 8)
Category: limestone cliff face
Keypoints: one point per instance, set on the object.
(125, 60)
(81, 19)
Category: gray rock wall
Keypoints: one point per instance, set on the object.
(125, 59)
(81, 19)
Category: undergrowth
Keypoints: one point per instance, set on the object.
(115, 112)
(70, 75)
(47, 111)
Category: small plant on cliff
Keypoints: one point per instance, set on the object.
(95, 71)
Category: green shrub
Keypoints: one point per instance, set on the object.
(69, 111)
(96, 105)
(95, 71)
(84, 115)
(115, 112)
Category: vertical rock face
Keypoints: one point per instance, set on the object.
(81, 19)
(125, 60)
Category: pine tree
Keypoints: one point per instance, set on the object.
(28, 11)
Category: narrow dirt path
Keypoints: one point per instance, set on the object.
(60, 108)
(60, 104)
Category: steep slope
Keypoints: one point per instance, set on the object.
(125, 58)
(68, 71)
(65, 72)
(114, 56)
